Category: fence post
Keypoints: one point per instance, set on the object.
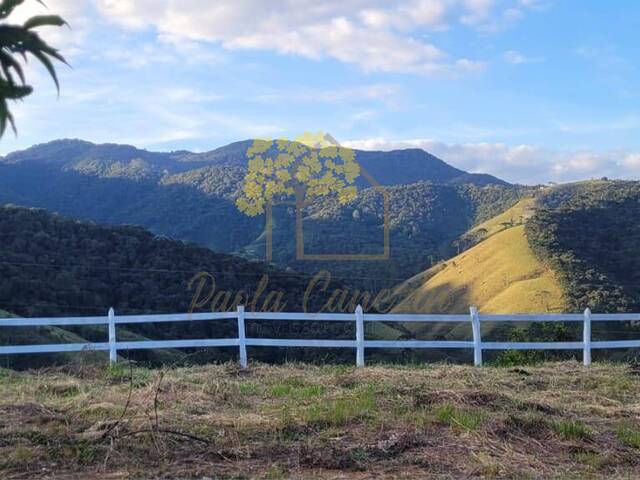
(586, 338)
(242, 337)
(113, 352)
(477, 338)
(359, 336)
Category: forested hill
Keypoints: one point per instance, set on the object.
(590, 234)
(191, 197)
(52, 266)
(573, 246)
(394, 167)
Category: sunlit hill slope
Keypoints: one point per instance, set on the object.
(499, 275)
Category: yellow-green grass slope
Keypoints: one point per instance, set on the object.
(499, 275)
(516, 215)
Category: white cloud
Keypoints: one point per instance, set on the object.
(516, 58)
(494, 15)
(407, 15)
(632, 162)
(477, 11)
(513, 57)
(375, 35)
(139, 55)
(387, 94)
(526, 164)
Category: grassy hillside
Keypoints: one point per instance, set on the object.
(575, 247)
(499, 275)
(555, 420)
(516, 215)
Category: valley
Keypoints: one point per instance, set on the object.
(500, 247)
(191, 197)
(199, 281)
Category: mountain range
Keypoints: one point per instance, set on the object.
(394, 167)
(583, 234)
(191, 197)
(456, 239)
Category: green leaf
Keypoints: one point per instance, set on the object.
(45, 20)
(25, 41)
(7, 6)
(19, 40)
(14, 92)
(7, 62)
(6, 117)
(53, 52)
(48, 65)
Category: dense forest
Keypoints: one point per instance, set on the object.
(191, 197)
(425, 220)
(70, 265)
(590, 233)
(52, 266)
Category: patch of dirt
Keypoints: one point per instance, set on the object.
(352, 454)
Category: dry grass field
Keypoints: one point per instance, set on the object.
(499, 275)
(516, 215)
(303, 421)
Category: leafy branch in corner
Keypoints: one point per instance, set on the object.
(16, 43)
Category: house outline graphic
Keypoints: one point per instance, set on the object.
(303, 256)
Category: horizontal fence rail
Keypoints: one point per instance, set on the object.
(359, 343)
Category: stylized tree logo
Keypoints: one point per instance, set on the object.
(281, 168)
(313, 166)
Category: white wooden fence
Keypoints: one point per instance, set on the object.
(360, 343)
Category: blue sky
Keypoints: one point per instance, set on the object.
(529, 90)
